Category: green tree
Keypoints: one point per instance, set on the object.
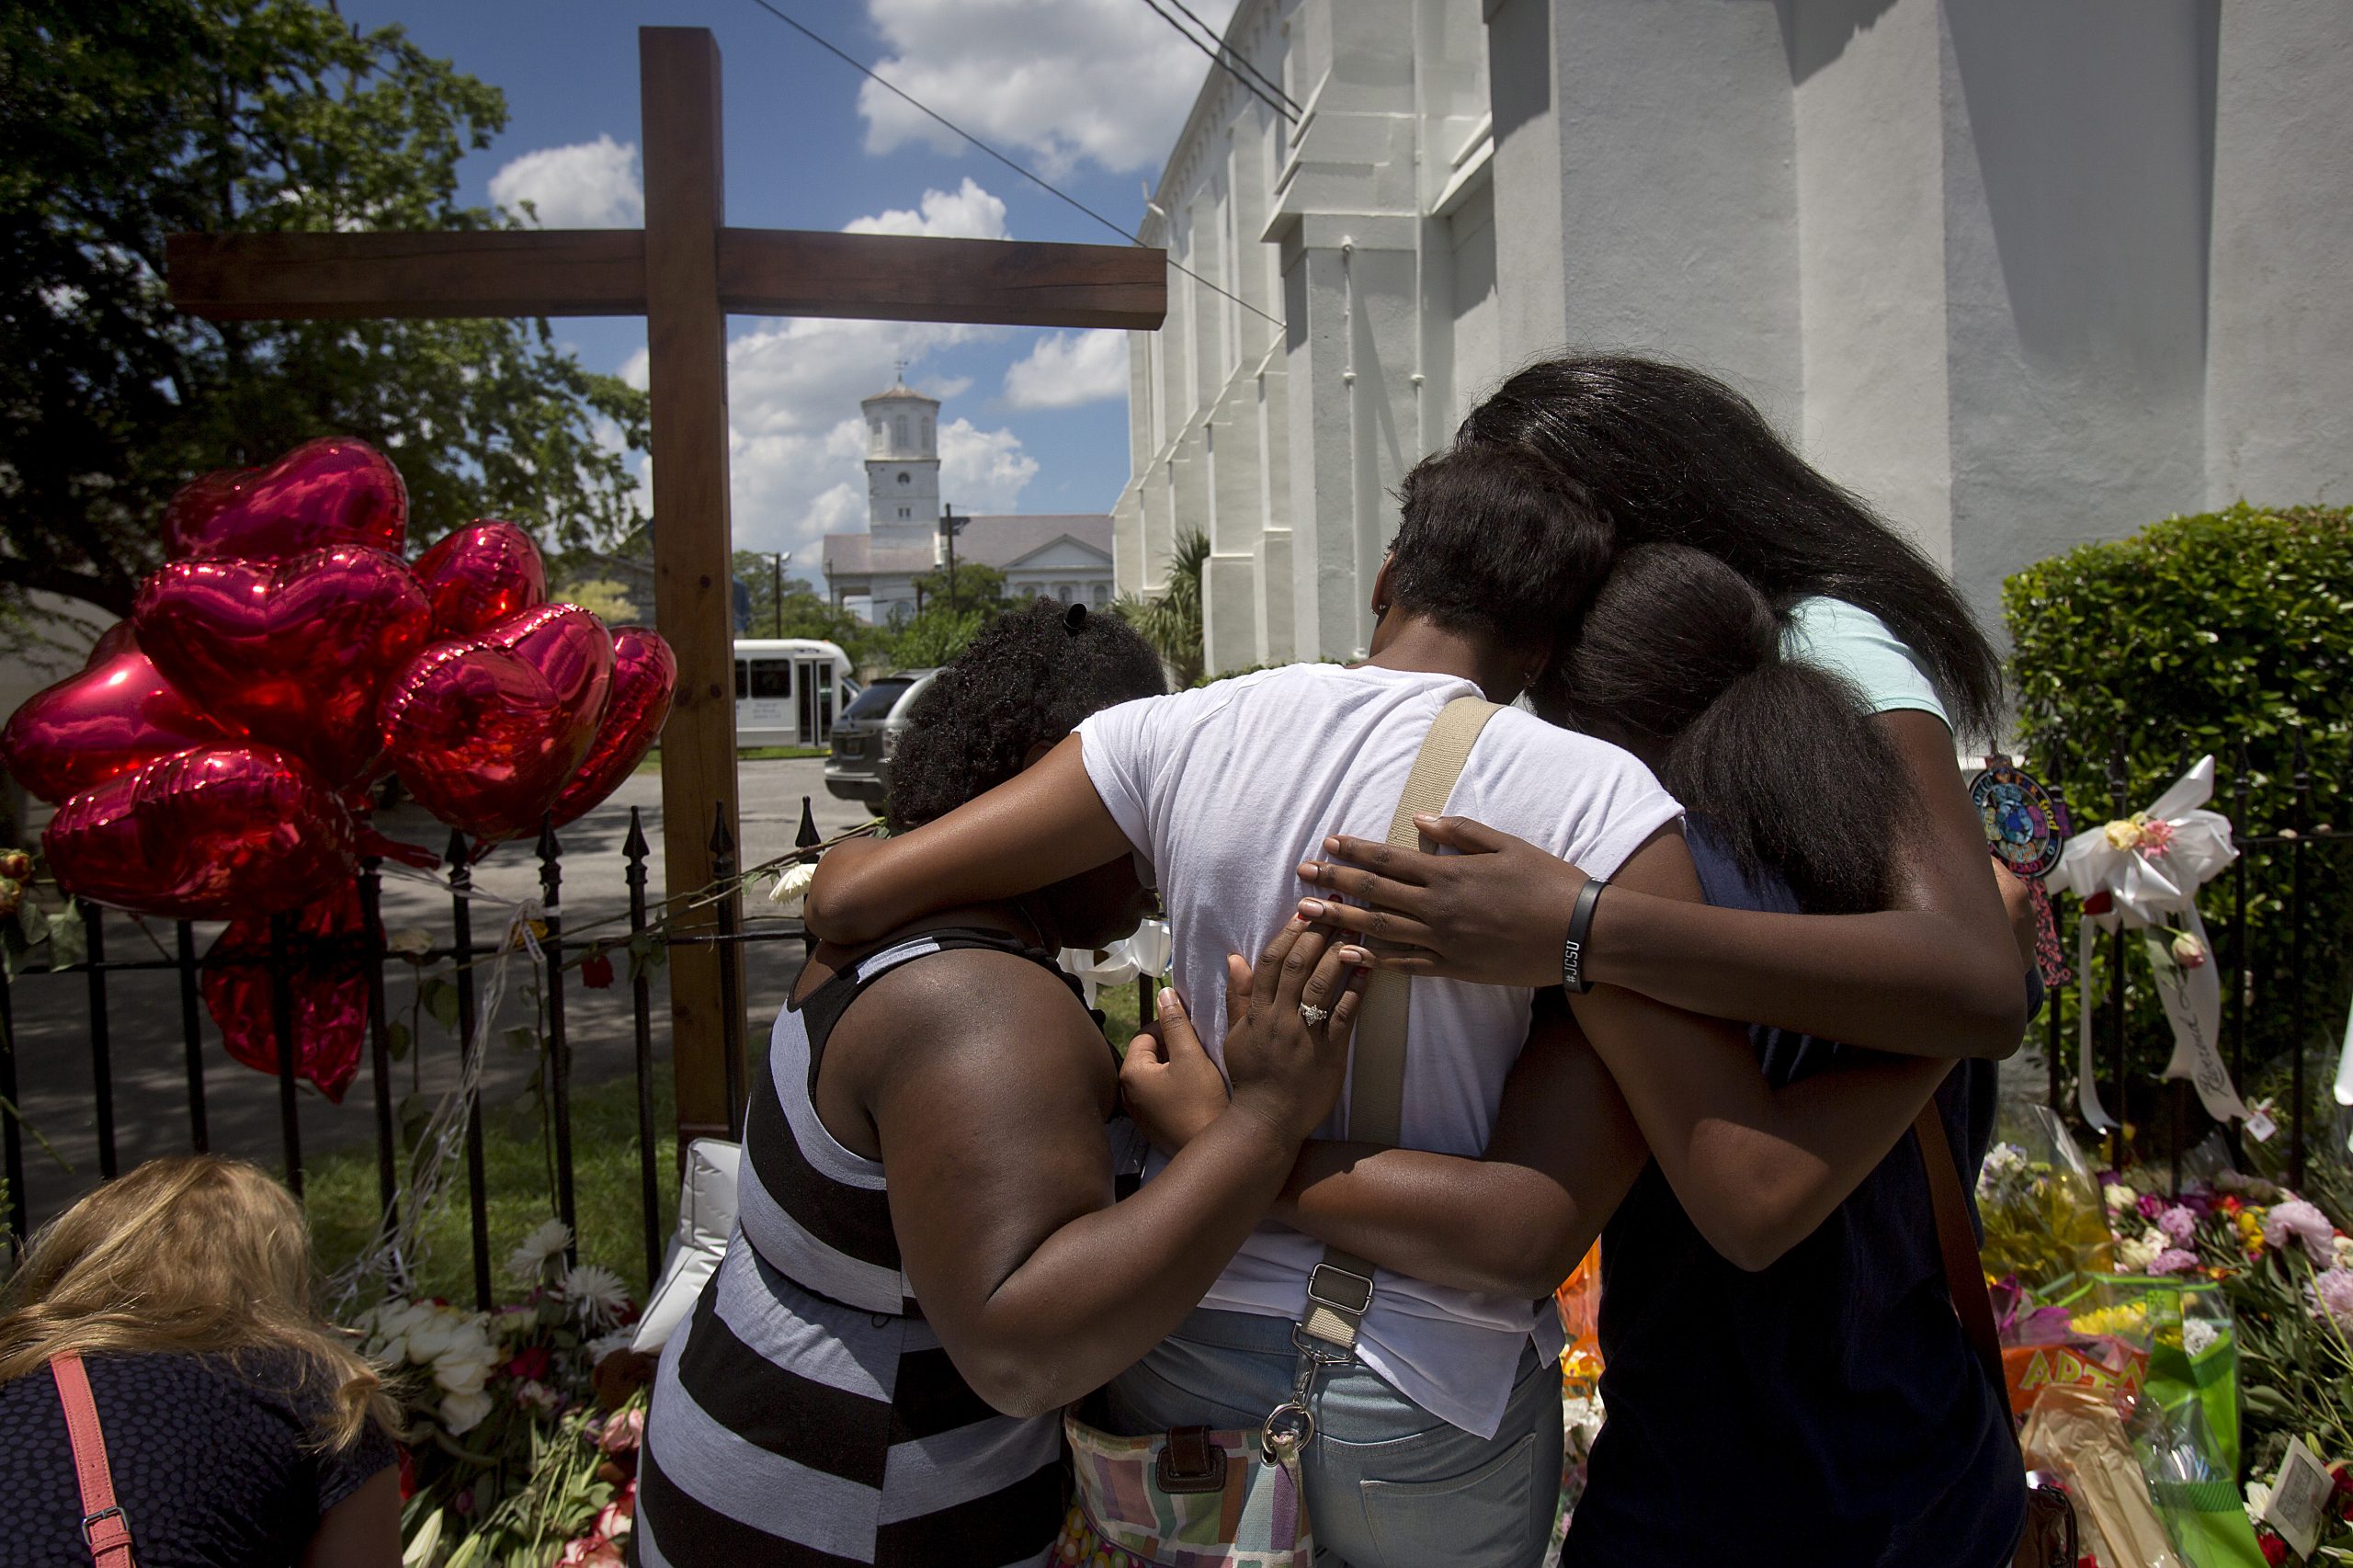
(934, 635)
(978, 587)
(1171, 621)
(807, 613)
(122, 121)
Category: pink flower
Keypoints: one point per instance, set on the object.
(2178, 1223)
(591, 1551)
(2156, 836)
(2172, 1260)
(614, 1518)
(622, 1433)
(2189, 952)
(2330, 1295)
(2151, 1205)
(2299, 1219)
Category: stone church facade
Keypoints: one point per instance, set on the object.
(2021, 275)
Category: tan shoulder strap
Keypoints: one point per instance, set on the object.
(1964, 1271)
(1340, 1290)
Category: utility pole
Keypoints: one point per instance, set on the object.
(781, 557)
(947, 527)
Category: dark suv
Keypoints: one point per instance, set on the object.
(858, 767)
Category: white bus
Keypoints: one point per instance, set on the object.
(787, 690)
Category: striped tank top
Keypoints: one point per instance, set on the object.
(805, 1414)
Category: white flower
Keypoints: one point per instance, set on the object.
(460, 1374)
(2134, 1253)
(2120, 1196)
(531, 1392)
(594, 1294)
(549, 1240)
(461, 1413)
(411, 942)
(2342, 1249)
(605, 1345)
(792, 886)
(2198, 1335)
(2258, 1498)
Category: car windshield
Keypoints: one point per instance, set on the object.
(878, 699)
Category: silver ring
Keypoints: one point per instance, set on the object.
(1312, 1014)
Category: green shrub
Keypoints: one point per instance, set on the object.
(2229, 632)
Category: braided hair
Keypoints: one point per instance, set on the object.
(1030, 677)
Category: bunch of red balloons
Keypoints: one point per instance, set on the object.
(212, 761)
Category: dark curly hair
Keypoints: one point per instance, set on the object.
(1028, 677)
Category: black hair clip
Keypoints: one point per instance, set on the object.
(1074, 619)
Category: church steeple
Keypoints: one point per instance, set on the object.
(902, 466)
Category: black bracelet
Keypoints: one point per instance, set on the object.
(1580, 924)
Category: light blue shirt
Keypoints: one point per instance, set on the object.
(1852, 643)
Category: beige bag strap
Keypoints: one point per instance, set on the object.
(1339, 1292)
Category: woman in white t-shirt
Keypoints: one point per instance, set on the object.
(1439, 1442)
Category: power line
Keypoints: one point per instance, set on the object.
(1218, 60)
(1239, 58)
(1039, 180)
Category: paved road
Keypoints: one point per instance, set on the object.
(53, 1015)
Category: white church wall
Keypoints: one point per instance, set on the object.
(2075, 203)
(2280, 375)
(1870, 160)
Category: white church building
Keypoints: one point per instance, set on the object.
(1065, 556)
(2021, 274)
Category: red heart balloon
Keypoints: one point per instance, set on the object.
(328, 978)
(480, 575)
(645, 675)
(332, 491)
(114, 640)
(107, 719)
(210, 834)
(295, 652)
(485, 731)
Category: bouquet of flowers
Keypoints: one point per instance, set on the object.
(498, 1404)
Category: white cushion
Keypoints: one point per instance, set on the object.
(706, 1219)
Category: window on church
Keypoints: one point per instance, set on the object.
(926, 431)
(1102, 595)
(903, 512)
(900, 425)
(875, 426)
(906, 478)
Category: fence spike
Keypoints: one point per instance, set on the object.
(635, 845)
(722, 842)
(550, 862)
(808, 837)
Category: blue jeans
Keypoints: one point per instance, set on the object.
(1389, 1485)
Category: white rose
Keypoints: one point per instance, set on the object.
(2120, 1196)
(2134, 1253)
(431, 1341)
(463, 1375)
(461, 1413)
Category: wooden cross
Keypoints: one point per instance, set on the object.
(685, 271)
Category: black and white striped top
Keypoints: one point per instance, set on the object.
(805, 1414)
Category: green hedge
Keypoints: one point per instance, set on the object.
(2219, 632)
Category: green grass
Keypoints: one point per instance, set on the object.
(340, 1192)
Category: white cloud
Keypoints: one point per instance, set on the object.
(796, 442)
(1070, 368)
(589, 185)
(969, 213)
(1063, 80)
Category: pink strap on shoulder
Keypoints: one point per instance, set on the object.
(105, 1527)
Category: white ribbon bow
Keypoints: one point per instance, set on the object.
(1145, 954)
(2150, 866)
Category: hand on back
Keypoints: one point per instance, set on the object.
(1284, 1067)
(1495, 914)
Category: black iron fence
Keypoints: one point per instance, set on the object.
(2281, 933)
(290, 953)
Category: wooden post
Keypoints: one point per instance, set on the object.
(686, 336)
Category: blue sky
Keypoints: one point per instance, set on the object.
(1090, 93)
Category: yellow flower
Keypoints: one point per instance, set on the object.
(2132, 1317)
(2125, 833)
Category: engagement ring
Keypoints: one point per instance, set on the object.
(1312, 1014)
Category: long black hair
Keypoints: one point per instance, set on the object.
(1679, 661)
(1026, 678)
(1667, 455)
